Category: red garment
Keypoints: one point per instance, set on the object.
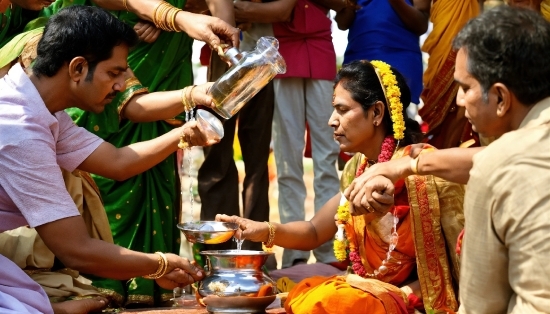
(306, 43)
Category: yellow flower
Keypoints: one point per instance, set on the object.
(340, 245)
(340, 250)
(343, 213)
(393, 97)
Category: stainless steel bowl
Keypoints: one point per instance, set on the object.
(208, 232)
(235, 273)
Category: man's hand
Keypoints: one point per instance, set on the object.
(212, 30)
(254, 231)
(376, 197)
(180, 273)
(146, 31)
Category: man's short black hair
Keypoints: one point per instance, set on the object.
(510, 46)
(86, 31)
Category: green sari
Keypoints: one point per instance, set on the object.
(143, 211)
(13, 21)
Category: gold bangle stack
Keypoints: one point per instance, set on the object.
(164, 17)
(161, 270)
(184, 100)
(271, 238)
(187, 99)
(190, 98)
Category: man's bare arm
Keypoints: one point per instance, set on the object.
(222, 9)
(452, 164)
(335, 5)
(269, 12)
(69, 241)
(344, 18)
(415, 17)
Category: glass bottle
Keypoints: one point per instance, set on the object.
(248, 74)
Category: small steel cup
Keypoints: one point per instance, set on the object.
(212, 126)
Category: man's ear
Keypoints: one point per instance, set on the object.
(503, 98)
(78, 69)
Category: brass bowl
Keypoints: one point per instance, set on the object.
(208, 232)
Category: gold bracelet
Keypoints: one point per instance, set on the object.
(414, 164)
(156, 274)
(125, 3)
(174, 26)
(154, 16)
(184, 101)
(160, 16)
(271, 238)
(164, 17)
(190, 98)
(162, 268)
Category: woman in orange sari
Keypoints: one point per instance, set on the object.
(399, 258)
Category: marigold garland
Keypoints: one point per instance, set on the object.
(343, 214)
(393, 97)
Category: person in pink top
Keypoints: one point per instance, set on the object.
(304, 94)
(81, 62)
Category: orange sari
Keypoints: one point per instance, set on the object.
(448, 126)
(422, 203)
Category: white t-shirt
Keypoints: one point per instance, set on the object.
(34, 145)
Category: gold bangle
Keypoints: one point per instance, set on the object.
(190, 98)
(414, 164)
(271, 238)
(184, 99)
(164, 17)
(171, 19)
(154, 16)
(174, 26)
(125, 3)
(162, 268)
(156, 274)
(159, 16)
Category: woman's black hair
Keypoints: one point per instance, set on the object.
(359, 78)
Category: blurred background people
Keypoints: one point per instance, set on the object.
(387, 30)
(303, 95)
